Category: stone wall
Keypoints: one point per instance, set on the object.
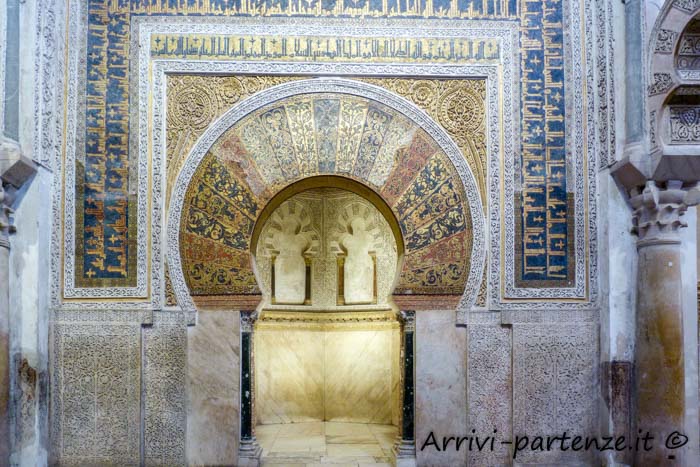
(533, 378)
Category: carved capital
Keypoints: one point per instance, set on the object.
(15, 168)
(658, 211)
(6, 227)
(408, 320)
(248, 319)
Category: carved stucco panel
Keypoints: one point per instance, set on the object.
(165, 398)
(96, 393)
(555, 385)
(489, 387)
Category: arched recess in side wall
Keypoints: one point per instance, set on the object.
(315, 127)
(673, 91)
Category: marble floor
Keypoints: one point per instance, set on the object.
(326, 443)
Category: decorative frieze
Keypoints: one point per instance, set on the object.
(662, 82)
(685, 124)
(686, 5)
(665, 40)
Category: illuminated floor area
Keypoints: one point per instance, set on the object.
(323, 443)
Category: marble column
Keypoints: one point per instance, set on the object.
(5, 380)
(249, 451)
(659, 363)
(405, 448)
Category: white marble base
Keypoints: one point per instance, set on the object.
(320, 443)
(403, 461)
(249, 462)
(403, 454)
(249, 454)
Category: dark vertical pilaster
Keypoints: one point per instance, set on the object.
(405, 447)
(249, 451)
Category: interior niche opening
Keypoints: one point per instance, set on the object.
(327, 342)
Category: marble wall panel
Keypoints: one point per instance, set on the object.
(358, 375)
(490, 389)
(312, 371)
(555, 386)
(441, 393)
(289, 376)
(164, 389)
(213, 375)
(96, 388)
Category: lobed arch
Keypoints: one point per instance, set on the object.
(424, 180)
(673, 90)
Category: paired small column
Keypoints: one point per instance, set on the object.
(659, 350)
(405, 447)
(249, 451)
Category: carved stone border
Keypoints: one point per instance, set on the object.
(581, 175)
(506, 33)
(78, 37)
(64, 213)
(503, 146)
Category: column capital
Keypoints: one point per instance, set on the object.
(658, 210)
(6, 227)
(408, 320)
(15, 170)
(248, 319)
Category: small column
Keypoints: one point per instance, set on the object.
(659, 350)
(405, 447)
(249, 451)
(5, 381)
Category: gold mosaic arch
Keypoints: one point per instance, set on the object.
(336, 134)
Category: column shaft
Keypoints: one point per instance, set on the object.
(249, 451)
(408, 400)
(5, 379)
(660, 374)
(660, 402)
(405, 447)
(246, 388)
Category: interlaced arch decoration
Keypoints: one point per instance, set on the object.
(673, 62)
(325, 126)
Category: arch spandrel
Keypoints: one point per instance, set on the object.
(348, 135)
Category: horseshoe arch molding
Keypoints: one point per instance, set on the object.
(326, 86)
